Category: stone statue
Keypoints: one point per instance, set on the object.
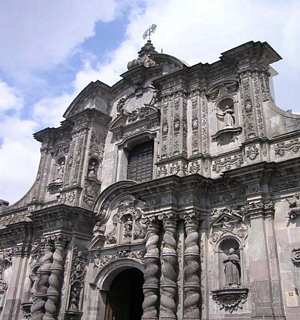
(60, 170)
(232, 269)
(92, 168)
(227, 117)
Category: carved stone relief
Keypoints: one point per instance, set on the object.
(292, 146)
(294, 204)
(295, 257)
(126, 224)
(252, 152)
(101, 260)
(78, 271)
(227, 221)
(227, 162)
(5, 263)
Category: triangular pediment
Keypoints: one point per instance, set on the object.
(225, 217)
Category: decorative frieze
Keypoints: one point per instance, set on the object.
(292, 146)
(227, 163)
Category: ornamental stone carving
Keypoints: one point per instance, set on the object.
(289, 146)
(192, 301)
(295, 257)
(78, 271)
(169, 270)
(226, 221)
(126, 224)
(294, 204)
(152, 271)
(230, 299)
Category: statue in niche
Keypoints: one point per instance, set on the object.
(128, 224)
(232, 269)
(60, 169)
(227, 117)
(93, 168)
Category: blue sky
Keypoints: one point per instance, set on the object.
(50, 50)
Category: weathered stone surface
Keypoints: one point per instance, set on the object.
(214, 230)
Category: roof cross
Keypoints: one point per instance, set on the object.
(149, 31)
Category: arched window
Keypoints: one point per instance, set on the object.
(140, 162)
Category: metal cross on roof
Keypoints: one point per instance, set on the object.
(149, 31)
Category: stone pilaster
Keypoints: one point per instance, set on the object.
(151, 274)
(259, 263)
(191, 269)
(271, 242)
(55, 280)
(169, 270)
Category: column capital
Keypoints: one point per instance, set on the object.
(259, 208)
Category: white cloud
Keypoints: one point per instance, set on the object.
(49, 111)
(19, 155)
(9, 98)
(198, 30)
(38, 34)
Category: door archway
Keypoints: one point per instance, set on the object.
(125, 296)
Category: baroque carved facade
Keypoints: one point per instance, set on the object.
(185, 177)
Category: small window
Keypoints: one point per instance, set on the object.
(140, 162)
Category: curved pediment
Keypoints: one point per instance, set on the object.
(96, 95)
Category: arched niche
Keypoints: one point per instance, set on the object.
(230, 263)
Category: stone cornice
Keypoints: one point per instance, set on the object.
(72, 220)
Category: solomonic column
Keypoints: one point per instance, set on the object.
(40, 286)
(151, 274)
(55, 280)
(169, 271)
(191, 270)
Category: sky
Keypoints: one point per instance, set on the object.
(50, 50)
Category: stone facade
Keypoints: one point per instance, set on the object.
(215, 231)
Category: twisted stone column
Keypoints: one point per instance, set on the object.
(191, 271)
(151, 273)
(41, 284)
(169, 270)
(55, 281)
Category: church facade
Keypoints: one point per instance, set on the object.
(173, 194)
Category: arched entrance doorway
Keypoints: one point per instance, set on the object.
(125, 296)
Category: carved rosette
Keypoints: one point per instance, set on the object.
(55, 280)
(169, 270)
(151, 274)
(191, 269)
(40, 285)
